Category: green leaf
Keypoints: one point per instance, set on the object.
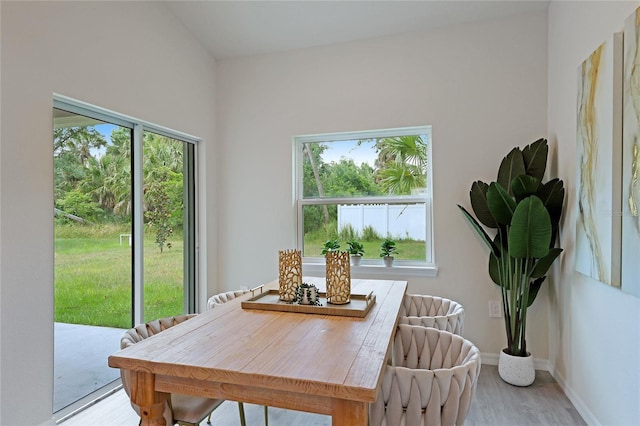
(501, 205)
(494, 269)
(480, 230)
(552, 196)
(530, 232)
(535, 158)
(511, 166)
(543, 265)
(523, 186)
(534, 287)
(478, 195)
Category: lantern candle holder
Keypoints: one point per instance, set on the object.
(338, 276)
(290, 274)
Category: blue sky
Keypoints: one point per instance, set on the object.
(365, 153)
(105, 130)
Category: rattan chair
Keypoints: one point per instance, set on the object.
(220, 299)
(431, 380)
(432, 311)
(181, 409)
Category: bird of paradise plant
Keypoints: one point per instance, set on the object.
(523, 214)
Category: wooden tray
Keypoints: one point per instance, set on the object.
(359, 306)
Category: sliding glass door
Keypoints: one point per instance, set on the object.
(124, 220)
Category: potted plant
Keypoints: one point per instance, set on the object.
(330, 245)
(307, 294)
(356, 250)
(522, 213)
(387, 249)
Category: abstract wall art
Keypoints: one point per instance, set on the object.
(631, 158)
(599, 147)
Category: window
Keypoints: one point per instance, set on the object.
(124, 195)
(366, 186)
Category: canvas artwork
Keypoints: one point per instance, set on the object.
(631, 158)
(599, 146)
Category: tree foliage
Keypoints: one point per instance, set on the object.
(93, 178)
(401, 164)
(400, 168)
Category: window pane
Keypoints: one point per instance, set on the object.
(163, 188)
(93, 251)
(387, 166)
(368, 223)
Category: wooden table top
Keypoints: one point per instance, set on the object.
(323, 355)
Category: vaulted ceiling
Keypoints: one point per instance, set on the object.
(242, 28)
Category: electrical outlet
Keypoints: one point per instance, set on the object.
(495, 310)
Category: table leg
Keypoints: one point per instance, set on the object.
(349, 413)
(144, 395)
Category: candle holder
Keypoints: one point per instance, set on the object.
(290, 273)
(338, 275)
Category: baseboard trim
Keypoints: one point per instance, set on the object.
(538, 363)
(577, 402)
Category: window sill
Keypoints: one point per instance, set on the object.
(375, 271)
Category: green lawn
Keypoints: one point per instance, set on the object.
(93, 275)
(93, 281)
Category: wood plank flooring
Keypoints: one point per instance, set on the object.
(495, 403)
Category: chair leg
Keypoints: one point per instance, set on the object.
(266, 416)
(209, 418)
(243, 421)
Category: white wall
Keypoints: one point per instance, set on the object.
(594, 328)
(483, 89)
(131, 57)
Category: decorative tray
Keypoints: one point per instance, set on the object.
(359, 306)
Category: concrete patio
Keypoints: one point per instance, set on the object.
(80, 361)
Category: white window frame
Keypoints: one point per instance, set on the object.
(315, 266)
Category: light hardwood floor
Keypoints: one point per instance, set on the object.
(495, 403)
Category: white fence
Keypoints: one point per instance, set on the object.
(395, 220)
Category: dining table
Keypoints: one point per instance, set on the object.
(320, 363)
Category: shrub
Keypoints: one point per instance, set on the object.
(331, 230)
(347, 233)
(370, 234)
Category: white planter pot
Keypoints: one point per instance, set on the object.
(516, 370)
(308, 296)
(388, 261)
(355, 259)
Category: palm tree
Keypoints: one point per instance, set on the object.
(79, 141)
(402, 163)
(162, 151)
